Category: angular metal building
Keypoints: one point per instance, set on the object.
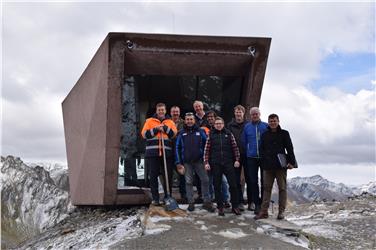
(105, 110)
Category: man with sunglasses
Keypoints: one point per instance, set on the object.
(190, 145)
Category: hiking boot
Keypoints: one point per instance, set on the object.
(241, 207)
(199, 200)
(236, 211)
(281, 215)
(221, 211)
(257, 209)
(155, 203)
(191, 207)
(227, 204)
(261, 215)
(251, 207)
(208, 206)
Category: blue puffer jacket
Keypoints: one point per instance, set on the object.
(190, 144)
(251, 137)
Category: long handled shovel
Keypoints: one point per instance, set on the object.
(170, 202)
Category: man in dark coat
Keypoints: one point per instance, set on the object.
(273, 142)
(236, 127)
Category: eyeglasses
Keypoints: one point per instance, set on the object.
(218, 123)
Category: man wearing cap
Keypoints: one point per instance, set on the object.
(190, 145)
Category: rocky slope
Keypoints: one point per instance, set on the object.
(31, 201)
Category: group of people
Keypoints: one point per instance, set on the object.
(201, 146)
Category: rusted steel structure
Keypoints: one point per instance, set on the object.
(145, 68)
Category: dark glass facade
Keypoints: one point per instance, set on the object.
(142, 92)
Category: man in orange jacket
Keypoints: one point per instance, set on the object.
(157, 128)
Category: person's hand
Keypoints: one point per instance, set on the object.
(237, 164)
(290, 166)
(160, 127)
(180, 168)
(207, 166)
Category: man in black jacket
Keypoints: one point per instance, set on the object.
(273, 142)
(236, 127)
(221, 155)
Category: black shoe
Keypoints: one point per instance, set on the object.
(155, 203)
(208, 206)
(184, 200)
(191, 207)
(236, 211)
(199, 200)
(221, 211)
(281, 215)
(257, 209)
(227, 204)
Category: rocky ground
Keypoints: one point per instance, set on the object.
(338, 225)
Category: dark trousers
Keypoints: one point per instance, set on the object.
(269, 176)
(197, 183)
(182, 189)
(251, 173)
(229, 172)
(238, 173)
(156, 167)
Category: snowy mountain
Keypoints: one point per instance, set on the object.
(368, 188)
(317, 188)
(58, 173)
(31, 201)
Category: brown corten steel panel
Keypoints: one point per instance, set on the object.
(92, 110)
(85, 116)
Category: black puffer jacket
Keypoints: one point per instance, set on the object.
(221, 148)
(273, 143)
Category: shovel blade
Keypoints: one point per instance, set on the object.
(171, 204)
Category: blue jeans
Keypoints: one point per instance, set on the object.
(251, 173)
(224, 186)
(198, 168)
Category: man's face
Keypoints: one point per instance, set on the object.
(189, 120)
(210, 119)
(273, 122)
(161, 111)
(255, 116)
(218, 124)
(175, 112)
(239, 115)
(198, 107)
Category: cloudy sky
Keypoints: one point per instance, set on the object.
(320, 76)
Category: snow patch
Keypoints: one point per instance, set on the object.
(232, 233)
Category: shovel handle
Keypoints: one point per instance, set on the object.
(165, 166)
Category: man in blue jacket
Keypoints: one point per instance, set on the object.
(190, 145)
(251, 138)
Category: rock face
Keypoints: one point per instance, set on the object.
(31, 202)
